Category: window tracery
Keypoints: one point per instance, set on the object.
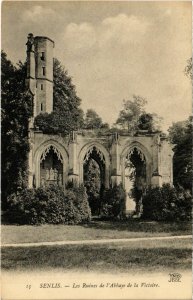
(47, 150)
(131, 151)
(98, 151)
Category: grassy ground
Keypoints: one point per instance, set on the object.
(94, 230)
(135, 257)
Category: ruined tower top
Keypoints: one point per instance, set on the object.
(40, 72)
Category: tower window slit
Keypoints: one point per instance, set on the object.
(42, 86)
(41, 106)
(42, 56)
(44, 71)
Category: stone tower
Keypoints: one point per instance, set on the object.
(40, 72)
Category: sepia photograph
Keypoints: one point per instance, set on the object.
(96, 150)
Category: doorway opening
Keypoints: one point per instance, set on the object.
(135, 179)
(94, 178)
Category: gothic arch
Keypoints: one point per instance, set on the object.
(40, 154)
(145, 155)
(103, 154)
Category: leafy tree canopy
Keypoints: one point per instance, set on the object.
(129, 115)
(67, 114)
(180, 134)
(134, 117)
(93, 121)
(150, 122)
(16, 105)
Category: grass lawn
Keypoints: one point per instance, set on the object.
(133, 257)
(93, 230)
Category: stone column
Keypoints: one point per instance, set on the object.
(156, 179)
(30, 159)
(166, 162)
(115, 161)
(73, 175)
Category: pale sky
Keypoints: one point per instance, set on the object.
(112, 50)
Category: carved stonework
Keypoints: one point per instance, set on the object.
(100, 154)
(141, 155)
(46, 151)
(73, 137)
(115, 158)
(115, 138)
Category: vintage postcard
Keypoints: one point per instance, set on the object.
(96, 140)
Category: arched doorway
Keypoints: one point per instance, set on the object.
(94, 178)
(135, 175)
(51, 167)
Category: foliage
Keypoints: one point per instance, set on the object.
(180, 134)
(67, 114)
(52, 205)
(145, 122)
(16, 111)
(167, 203)
(129, 115)
(93, 121)
(81, 203)
(133, 116)
(150, 122)
(114, 201)
(188, 68)
(92, 183)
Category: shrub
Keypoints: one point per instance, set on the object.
(52, 205)
(21, 211)
(167, 203)
(113, 202)
(81, 202)
(77, 206)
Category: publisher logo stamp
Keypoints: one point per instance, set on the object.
(175, 277)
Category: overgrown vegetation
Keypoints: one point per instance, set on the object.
(113, 202)
(92, 182)
(94, 121)
(167, 203)
(133, 117)
(52, 205)
(47, 205)
(180, 134)
(16, 110)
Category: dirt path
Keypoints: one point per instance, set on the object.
(91, 242)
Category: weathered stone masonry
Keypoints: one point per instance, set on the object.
(58, 159)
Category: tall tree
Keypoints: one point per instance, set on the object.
(129, 115)
(16, 105)
(133, 117)
(180, 134)
(67, 114)
(93, 121)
